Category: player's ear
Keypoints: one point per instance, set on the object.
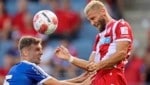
(103, 11)
(25, 52)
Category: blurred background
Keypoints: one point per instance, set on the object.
(74, 32)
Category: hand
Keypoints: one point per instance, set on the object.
(92, 67)
(88, 80)
(62, 53)
(83, 76)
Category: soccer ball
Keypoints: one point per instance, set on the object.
(45, 22)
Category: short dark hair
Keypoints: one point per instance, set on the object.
(27, 41)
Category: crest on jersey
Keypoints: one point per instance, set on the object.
(124, 30)
(106, 40)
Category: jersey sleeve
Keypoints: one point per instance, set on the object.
(123, 31)
(37, 74)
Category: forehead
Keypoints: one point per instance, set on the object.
(92, 13)
(36, 45)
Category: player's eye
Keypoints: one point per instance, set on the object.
(37, 49)
(92, 18)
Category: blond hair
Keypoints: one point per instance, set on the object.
(92, 5)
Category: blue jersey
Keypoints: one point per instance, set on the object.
(26, 73)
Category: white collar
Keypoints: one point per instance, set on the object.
(25, 61)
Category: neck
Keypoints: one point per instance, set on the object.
(23, 58)
(108, 18)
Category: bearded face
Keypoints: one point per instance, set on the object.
(101, 25)
(97, 19)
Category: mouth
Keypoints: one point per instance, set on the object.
(39, 58)
(98, 26)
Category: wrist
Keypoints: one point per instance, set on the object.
(71, 59)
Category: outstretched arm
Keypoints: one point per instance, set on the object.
(63, 53)
(119, 55)
(84, 75)
(53, 81)
(78, 79)
(81, 78)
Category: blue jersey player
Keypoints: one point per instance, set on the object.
(27, 71)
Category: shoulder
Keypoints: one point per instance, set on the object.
(122, 27)
(122, 22)
(22, 67)
(19, 68)
(31, 67)
(28, 65)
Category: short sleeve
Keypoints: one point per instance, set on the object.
(37, 74)
(123, 31)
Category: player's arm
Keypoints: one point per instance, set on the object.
(80, 78)
(78, 62)
(63, 53)
(82, 63)
(35, 72)
(77, 79)
(84, 75)
(119, 55)
(53, 81)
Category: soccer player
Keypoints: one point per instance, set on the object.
(27, 72)
(111, 49)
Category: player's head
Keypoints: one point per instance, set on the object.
(96, 13)
(31, 49)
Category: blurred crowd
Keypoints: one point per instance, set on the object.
(16, 21)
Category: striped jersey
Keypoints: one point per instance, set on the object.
(105, 44)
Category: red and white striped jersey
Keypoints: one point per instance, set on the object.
(105, 44)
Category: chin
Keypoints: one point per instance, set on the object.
(101, 29)
(102, 25)
(38, 62)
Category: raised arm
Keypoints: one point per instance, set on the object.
(63, 53)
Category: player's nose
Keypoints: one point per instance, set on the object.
(41, 52)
